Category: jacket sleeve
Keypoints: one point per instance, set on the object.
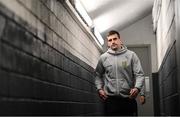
(142, 93)
(138, 72)
(99, 71)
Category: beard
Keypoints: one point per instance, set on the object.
(114, 47)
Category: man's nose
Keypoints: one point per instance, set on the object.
(113, 41)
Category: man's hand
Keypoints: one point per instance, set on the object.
(102, 94)
(142, 99)
(133, 93)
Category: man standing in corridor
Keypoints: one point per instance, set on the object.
(119, 77)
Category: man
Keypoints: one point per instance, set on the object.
(119, 77)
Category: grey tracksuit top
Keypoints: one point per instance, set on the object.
(119, 71)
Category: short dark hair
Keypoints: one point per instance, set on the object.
(112, 32)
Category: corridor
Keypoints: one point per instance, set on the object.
(49, 50)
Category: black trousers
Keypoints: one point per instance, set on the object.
(117, 106)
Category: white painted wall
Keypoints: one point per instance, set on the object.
(163, 17)
(141, 33)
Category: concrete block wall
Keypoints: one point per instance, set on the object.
(177, 20)
(165, 28)
(168, 84)
(46, 61)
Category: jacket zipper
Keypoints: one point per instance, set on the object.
(117, 75)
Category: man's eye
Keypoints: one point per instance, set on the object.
(115, 39)
(110, 40)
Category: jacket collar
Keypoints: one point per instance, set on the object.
(119, 51)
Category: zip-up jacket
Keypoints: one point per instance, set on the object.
(119, 71)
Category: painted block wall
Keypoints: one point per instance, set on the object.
(46, 61)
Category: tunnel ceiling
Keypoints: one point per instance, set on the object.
(116, 14)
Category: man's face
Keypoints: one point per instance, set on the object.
(114, 42)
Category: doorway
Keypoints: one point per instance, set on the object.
(144, 55)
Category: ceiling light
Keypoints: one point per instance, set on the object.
(83, 13)
(98, 36)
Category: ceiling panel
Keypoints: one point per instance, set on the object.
(116, 14)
